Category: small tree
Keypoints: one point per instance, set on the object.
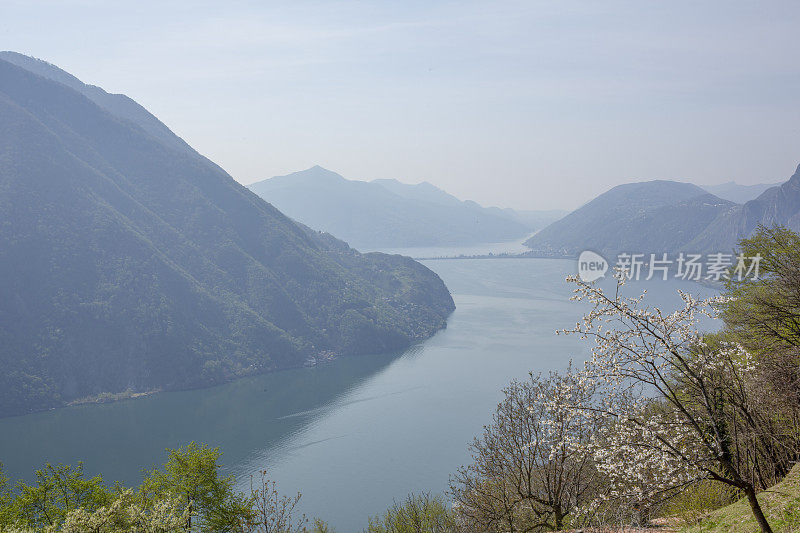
(679, 408)
(420, 513)
(6, 498)
(273, 512)
(191, 476)
(531, 468)
(764, 313)
(58, 490)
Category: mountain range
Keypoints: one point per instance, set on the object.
(129, 262)
(667, 217)
(387, 213)
(739, 194)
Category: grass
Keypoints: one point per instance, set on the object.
(781, 505)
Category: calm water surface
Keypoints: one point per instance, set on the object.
(355, 434)
(508, 247)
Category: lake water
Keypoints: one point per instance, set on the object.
(355, 434)
(427, 252)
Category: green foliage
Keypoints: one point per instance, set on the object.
(420, 513)
(699, 499)
(191, 476)
(6, 498)
(764, 314)
(187, 493)
(781, 504)
(59, 489)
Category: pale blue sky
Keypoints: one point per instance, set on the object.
(523, 104)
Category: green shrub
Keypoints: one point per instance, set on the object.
(699, 499)
(420, 513)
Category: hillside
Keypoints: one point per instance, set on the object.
(388, 213)
(780, 504)
(118, 105)
(130, 262)
(667, 216)
(779, 205)
(652, 216)
(426, 192)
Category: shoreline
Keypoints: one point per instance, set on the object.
(321, 359)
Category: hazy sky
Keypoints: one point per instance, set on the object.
(524, 104)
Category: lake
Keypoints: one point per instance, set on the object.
(495, 248)
(355, 434)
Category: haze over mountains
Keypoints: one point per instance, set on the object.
(740, 194)
(633, 217)
(130, 262)
(386, 213)
(667, 217)
(779, 205)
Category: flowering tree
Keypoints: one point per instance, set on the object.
(679, 408)
(127, 514)
(531, 469)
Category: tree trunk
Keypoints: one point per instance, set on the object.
(558, 519)
(757, 512)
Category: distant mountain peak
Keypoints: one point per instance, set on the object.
(317, 169)
(647, 216)
(313, 175)
(387, 213)
(664, 216)
(740, 194)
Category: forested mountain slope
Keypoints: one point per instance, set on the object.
(652, 216)
(129, 261)
(667, 217)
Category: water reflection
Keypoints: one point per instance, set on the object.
(358, 433)
(243, 417)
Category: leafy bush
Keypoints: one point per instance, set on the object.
(696, 501)
(420, 513)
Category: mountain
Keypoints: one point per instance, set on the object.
(422, 192)
(129, 262)
(667, 217)
(645, 217)
(778, 205)
(388, 213)
(426, 192)
(118, 105)
(739, 194)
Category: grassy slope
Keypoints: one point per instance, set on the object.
(781, 504)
